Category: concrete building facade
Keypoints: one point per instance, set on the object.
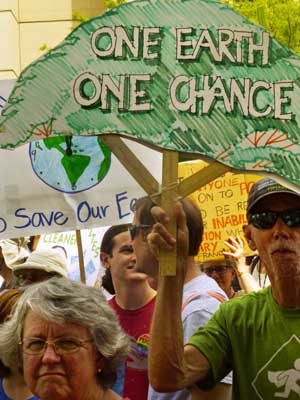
(28, 28)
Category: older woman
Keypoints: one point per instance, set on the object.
(66, 339)
(223, 273)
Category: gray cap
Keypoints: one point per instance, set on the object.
(263, 188)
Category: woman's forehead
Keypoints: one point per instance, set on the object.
(35, 324)
(215, 263)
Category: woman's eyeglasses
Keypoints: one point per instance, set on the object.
(134, 229)
(37, 346)
(267, 219)
(219, 270)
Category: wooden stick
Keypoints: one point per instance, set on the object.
(133, 165)
(35, 242)
(167, 260)
(80, 256)
(201, 178)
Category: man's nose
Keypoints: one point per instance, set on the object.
(280, 229)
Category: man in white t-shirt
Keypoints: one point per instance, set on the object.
(201, 297)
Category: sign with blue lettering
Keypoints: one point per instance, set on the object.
(192, 76)
(44, 188)
(43, 194)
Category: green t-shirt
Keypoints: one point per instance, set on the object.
(259, 341)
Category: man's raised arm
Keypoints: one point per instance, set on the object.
(171, 366)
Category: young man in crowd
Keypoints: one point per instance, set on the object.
(133, 303)
(201, 297)
(256, 335)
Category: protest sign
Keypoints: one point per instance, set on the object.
(191, 76)
(44, 190)
(66, 242)
(183, 76)
(223, 204)
(40, 197)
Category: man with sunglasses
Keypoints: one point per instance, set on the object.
(256, 335)
(202, 296)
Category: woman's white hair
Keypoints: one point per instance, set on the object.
(64, 301)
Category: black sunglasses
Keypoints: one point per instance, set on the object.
(267, 219)
(134, 229)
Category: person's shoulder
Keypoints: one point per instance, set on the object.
(247, 312)
(144, 309)
(206, 302)
(112, 301)
(202, 284)
(253, 296)
(147, 308)
(152, 300)
(251, 300)
(115, 306)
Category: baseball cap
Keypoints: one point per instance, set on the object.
(263, 188)
(48, 260)
(14, 251)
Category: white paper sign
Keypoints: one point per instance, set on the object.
(44, 190)
(66, 243)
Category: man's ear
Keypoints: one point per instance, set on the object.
(249, 236)
(104, 258)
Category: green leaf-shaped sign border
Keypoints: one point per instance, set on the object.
(192, 76)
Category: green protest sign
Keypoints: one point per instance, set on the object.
(192, 76)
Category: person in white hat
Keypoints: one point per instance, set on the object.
(40, 265)
(12, 252)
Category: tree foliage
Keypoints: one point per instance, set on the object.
(280, 17)
(113, 3)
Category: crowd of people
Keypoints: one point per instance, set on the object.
(225, 329)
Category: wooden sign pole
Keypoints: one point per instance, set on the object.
(167, 260)
(170, 189)
(80, 256)
(201, 178)
(133, 165)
